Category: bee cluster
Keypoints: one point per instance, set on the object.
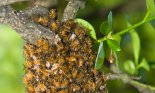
(68, 66)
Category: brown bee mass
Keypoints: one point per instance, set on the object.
(67, 67)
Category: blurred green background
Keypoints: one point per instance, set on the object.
(96, 11)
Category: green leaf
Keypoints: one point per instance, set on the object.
(144, 64)
(129, 67)
(88, 26)
(105, 28)
(110, 20)
(113, 44)
(150, 6)
(100, 57)
(135, 44)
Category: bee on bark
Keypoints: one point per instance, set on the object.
(53, 14)
(54, 25)
(43, 20)
(43, 44)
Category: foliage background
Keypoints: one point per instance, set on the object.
(12, 59)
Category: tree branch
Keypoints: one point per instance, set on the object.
(25, 27)
(7, 2)
(30, 31)
(72, 9)
(143, 88)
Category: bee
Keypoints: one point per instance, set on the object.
(42, 87)
(57, 84)
(25, 81)
(63, 91)
(30, 89)
(61, 60)
(64, 83)
(43, 21)
(28, 76)
(75, 45)
(53, 90)
(28, 50)
(81, 63)
(75, 87)
(53, 14)
(54, 25)
(36, 61)
(71, 58)
(80, 32)
(95, 71)
(45, 73)
(69, 24)
(59, 46)
(43, 44)
(28, 64)
(88, 42)
(74, 73)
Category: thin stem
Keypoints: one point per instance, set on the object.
(145, 20)
(146, 16)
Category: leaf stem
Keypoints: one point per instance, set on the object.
(102, 39)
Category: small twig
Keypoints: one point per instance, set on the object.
(143, 88)
(72, 9)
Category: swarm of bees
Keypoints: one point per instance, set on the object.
(68, 66)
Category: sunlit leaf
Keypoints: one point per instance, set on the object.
(135, 44)
(88, 26)
(113, 44)
(100, 57)
(150, 6)
(129, 67)
(144, 64)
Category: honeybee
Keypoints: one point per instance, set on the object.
(81, 63)
(30, 89)
(53, 90)
(57, 84)
(28, 76)
(75, 87)
(75, 45)
(71, 58)
(28, 50)
(45, 73)
(64, 83)
(80, 32)
(59, 46)
(43, 43)
(54, 25)
(43, 20)
(63, 91)
(74, 73)
(53, 14)
(28, 64)
(69, 24)
(42, 87)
